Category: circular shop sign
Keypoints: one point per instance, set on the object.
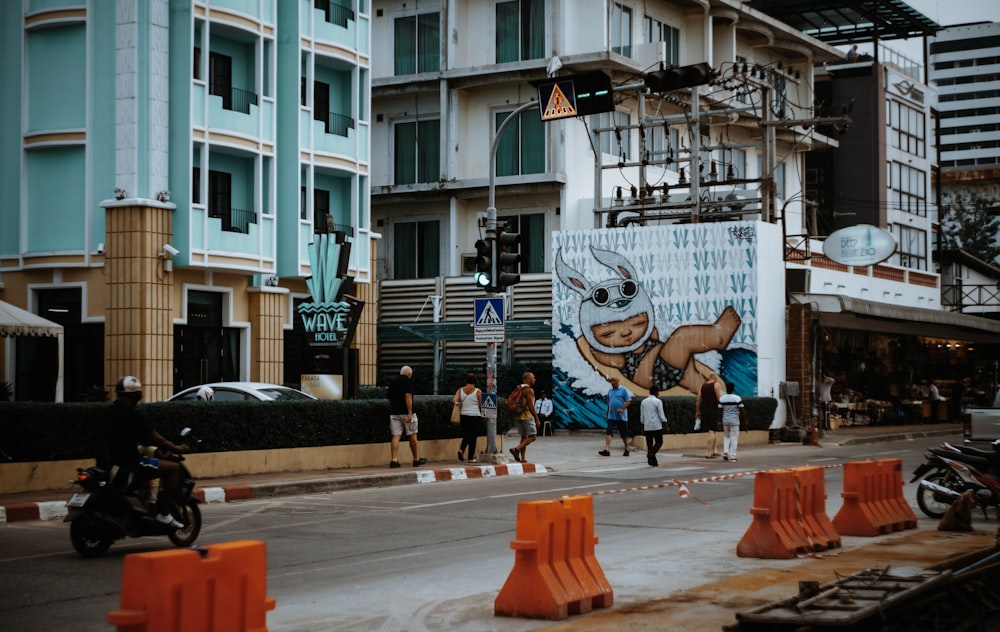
(860, 245)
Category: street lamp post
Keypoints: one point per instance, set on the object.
(491, 233)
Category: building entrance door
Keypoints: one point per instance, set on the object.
(204, 350)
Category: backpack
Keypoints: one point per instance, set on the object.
(515, 401)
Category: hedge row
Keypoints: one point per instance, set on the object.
(35, 431)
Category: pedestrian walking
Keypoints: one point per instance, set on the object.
(733, 412)
(468, 399)
(619, 399)
(654, 422)
(402, 419)
(527, 421)
(707, 409)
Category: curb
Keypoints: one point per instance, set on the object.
(51, 510)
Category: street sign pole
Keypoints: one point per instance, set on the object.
(491, 232)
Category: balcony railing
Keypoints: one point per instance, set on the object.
(334, 13)
(235, 220)
(338, 124)
(959, 297)
(235, 99)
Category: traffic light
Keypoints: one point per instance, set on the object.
(484, 264)
(506, 255)
(677, 77)
(593, 93)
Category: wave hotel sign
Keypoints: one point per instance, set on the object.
(332, 317)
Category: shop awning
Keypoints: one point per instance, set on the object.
(15, 322)
(855, 313)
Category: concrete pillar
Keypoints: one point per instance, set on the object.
(268, 313)
(798, 358)
(139, 330)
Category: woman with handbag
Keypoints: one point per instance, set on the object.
(470, 416)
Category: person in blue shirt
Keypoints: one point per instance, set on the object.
(619, 399)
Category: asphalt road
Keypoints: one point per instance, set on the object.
(434, 557)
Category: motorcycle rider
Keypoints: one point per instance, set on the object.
(124, 430)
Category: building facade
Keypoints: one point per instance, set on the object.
(455, 71)
(169, 165)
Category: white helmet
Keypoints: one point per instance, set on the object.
(205, 393)
(129, 389)
(128, 384)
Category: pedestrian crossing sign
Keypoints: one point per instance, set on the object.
(488, 325)
(489, 402)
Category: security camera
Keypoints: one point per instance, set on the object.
(100, 248)
(171, 250)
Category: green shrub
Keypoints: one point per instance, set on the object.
(43, 431)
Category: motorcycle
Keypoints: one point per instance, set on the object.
(104, 511)
(950, 470)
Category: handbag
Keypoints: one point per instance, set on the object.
(697, 423)
(456, 414)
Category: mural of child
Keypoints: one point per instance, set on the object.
(619, 335)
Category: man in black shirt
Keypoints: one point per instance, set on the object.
(126, 428)
(402, 419)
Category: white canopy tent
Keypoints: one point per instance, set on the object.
(15, 322)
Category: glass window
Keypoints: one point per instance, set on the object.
(912, 252)
(656, 31)
(417, 151)
(738, 162)
(907, 126)
(779, 180)
(661, 143)
(520, 30)
(907, 189)
(417, 44)
(531, 227)
(522, 148)
(616, 141)
(416, 250)
(621, 29)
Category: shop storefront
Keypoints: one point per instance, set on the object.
(877, 363)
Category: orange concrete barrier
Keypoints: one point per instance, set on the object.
(777, 530)
(812, 504)
(555, 571)
(900, 510)
(864, 512)
(214, 588)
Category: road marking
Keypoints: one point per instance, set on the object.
(512, 495)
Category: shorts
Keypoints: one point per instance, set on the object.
(621, 425)
(526, 427)
(398, 425)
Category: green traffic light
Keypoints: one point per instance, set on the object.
(482, 279)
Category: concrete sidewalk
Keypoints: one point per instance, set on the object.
(565, 451)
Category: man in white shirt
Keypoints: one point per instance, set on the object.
(732, 408)
(654, 422)
(544, 408)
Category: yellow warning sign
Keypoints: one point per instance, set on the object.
(558, 106)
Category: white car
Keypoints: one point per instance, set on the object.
(242, 391)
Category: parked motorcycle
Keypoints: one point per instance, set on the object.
(103, 512)
(951, 470)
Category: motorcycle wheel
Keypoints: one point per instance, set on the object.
(190, 515)
(935, 504)
(85, 541)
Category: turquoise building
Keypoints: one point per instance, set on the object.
(166, 165)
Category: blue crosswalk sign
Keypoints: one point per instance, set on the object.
(489, 402)
(488, 325)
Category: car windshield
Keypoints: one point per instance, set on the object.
(283, 393)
